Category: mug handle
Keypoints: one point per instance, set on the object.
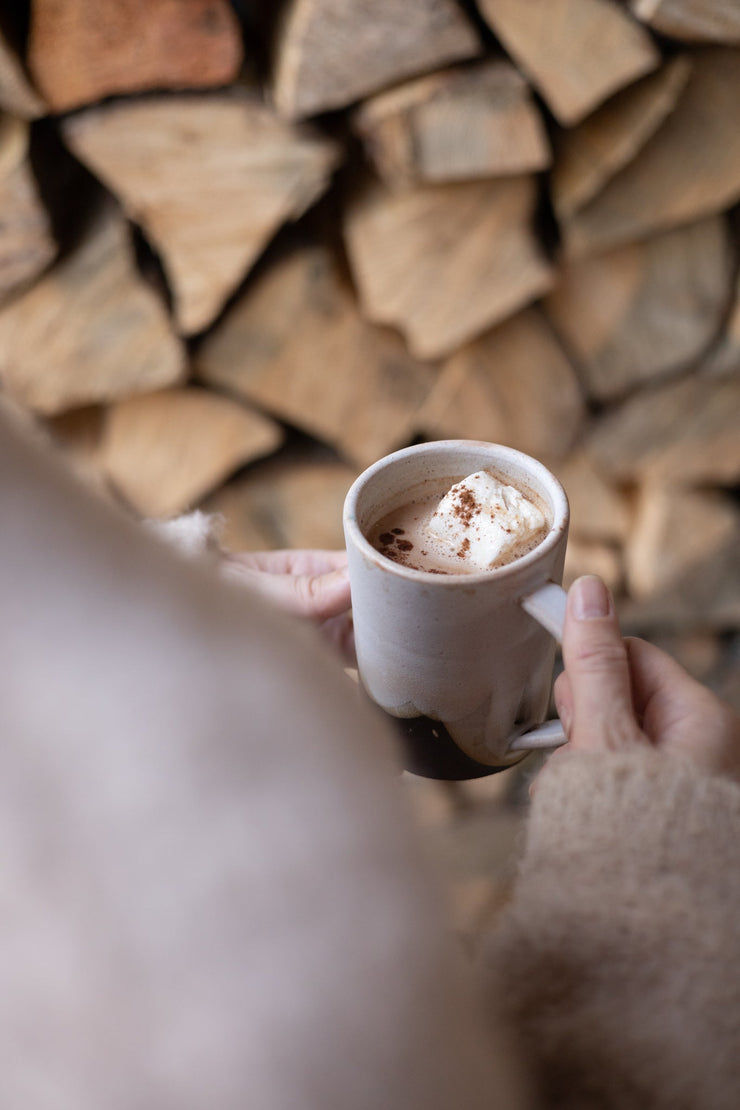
(547, 606)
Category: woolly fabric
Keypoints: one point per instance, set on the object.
(617, 958)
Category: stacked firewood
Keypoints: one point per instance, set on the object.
(247, 249)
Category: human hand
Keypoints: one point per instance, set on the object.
(616, 694)
(311, 584)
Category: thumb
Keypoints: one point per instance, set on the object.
(598, 693)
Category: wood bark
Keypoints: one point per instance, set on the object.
(90, 330)
(688, 169)
(587, 156)
(81, 51)
(210, 178)
(459, 124)
(297, 347)
(445, 263)
(577, 52)
(692, 20)
(329, 53)
(645, 309)
(164, 451)
(26, 243)
(514, 385)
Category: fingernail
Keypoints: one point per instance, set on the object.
(589, 598)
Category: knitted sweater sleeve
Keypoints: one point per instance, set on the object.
(617, 959)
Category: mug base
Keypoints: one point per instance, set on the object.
(428, 750)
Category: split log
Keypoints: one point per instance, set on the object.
(459, 124)
(26, 243)
(285, 502)
(164, 451)
(514, 385)
(210, 179)
(90, 330)
(678, 533)
(445, 263)
(692, 20)
(576, 52)
(683, 432)
(689, 168)
(329, 53)
(593, 557)
(646, 309)
(81, 51)
(725, 358)
(296, 346)
(599, 510)
(17, 94)
(587, 156)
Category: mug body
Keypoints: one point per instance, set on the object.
(457, 648)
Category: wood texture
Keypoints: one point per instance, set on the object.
(645, 309)
(577, 52)
(677, 533)
(445, 263)
(692, 20)
(587, 156)
(164, 451)
(296, 346)
(26, 242)
(210, 179)
(329, 53)
(458, 124)
(89, 330)
(682, 432)
(514, 385)
(81, 51)
(284, 503)
(599, 509)
(17, 94)
(688, 169)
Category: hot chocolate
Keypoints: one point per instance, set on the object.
(462, 527)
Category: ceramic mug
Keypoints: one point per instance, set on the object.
(476, 651)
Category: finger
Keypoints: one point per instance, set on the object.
(340, 633)
(289, 561)
(316, 596)
(596, 663)
(563, 696)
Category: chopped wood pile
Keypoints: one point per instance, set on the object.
(248, 248)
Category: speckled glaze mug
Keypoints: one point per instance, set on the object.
(474, 652)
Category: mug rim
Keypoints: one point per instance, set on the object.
(560, 510)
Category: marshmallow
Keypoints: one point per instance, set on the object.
(485, 522)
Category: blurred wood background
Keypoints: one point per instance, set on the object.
(248, 248)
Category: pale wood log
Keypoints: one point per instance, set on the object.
(286, 502)
(26, 242)
(164, 451)
(445, 263)
(587, 156)
(514, 385)
(645, 309)
(84, 50)
(209, 177)
(297, 346)
(329, 53)
(593, 557)
(683, 432)
(677, 532)
(78, 435)
(458, 124)
(17, 94)
(89, 330)
(688, 169)
(692, 20)
(600, 511)
(577, 52)
(725, 358)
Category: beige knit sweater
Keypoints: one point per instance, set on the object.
(618, 960)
